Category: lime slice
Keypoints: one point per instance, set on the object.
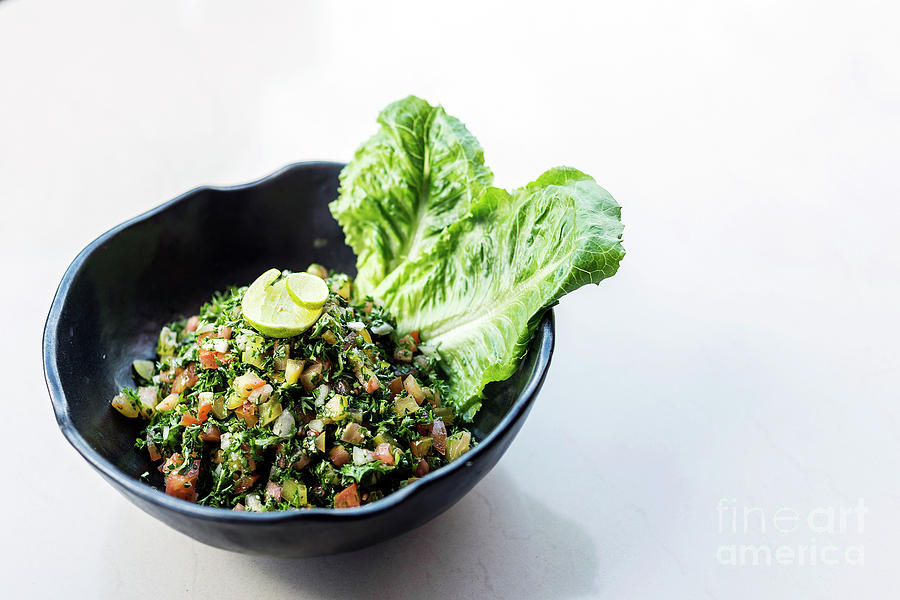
(307, 290)
(271, 311)
(144, 369)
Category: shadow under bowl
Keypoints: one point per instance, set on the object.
(127, 283)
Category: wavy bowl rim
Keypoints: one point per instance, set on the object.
(545, 330)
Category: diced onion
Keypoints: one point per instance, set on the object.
(205, 328)
(322, 393)
(383, 329)
(356, 325)
(362, 456)
(284, 424)
(253, 502)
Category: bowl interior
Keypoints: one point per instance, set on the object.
(166, 263)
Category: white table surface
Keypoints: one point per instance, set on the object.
(744, 358)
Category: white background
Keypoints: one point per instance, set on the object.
(747, 349)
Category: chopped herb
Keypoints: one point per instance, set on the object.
(226, 403)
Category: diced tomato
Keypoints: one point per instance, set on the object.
(247, 411)
(353, 434)
(225, 332)
(208, 360)
(439, 435)
(347, 498)
(184, 378)
(383, 453)
(181, 485)
(396, 386)
(192, 324)
(190, 375)
(246, 383)
(280, 455)
(203, 410)
(407, 342)
(273, 490)
(238, 507)
(251, 464)
(244, 483)
(403, 354)
(167, 376)
(422, 468)
(415, 390)
(339, 456)
(188, 419)
(211, 433)
(301, 462)
(171, 463)
(414, 335)
(153, 450)
(372, 385)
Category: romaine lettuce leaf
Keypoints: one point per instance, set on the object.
(479, 291)
(472, 267)
(418, 174)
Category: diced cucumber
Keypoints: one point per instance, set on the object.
(292, 370)
(269, 411)
(233, 402)
(327, 473)
(168, 403)
(248, 357)
(405, 405)
(458, 444)
(127, 404)
(149, 399)
(294, 492)
(218, 407)
(165, 345)
(252, 354)
(383, 437)
(445, 413)
(421, 447)
(311, 376)
(336, 408)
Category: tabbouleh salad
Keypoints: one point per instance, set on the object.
(287, 394)
(338, 415)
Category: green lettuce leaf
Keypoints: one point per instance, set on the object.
(478, 292)
(418, 174)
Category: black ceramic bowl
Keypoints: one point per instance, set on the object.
(121, 289)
